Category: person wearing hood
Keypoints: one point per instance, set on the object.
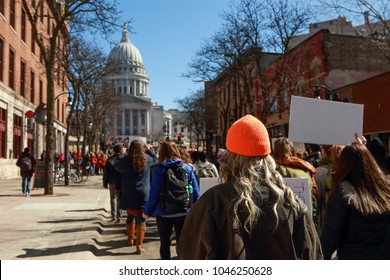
(169, 156)
(290, 166)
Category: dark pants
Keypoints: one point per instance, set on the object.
(135, 216)
(164, 227)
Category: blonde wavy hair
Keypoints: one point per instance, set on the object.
(247, 174)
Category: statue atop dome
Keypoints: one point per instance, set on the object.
(125, 37)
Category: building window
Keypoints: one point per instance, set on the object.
(135, 119)
(58, 74)
(12, 13)
(1, 59)
(11, 69)
(2, 7)
(286, 100)
(127, 118)
(274, 107)
(3, 133)
(41, 12)
(63, 81)
(124, 90)
(23, 26)
(63, 112)
(22, 77)
(17, 145)
(142, 118)
(32, 43)
(40, 91)
(58, 109)
(119, 123)
(32, 87)
(48, 24)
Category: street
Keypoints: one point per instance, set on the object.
(72, 224)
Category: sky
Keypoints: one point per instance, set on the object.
(168, 33)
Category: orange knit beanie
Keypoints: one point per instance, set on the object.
(249, 137)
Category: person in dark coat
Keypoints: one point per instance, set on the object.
(357, 220)
(111, 179)
(26, 173)
(134, 189)
(252, 214)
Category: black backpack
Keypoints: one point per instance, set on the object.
(174, 196)
(26, 164)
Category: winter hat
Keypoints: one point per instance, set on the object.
(249, 137)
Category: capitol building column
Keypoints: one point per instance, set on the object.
(147, 124)
(139, 121)
(123, 122)
(131, 122)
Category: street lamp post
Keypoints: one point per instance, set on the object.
(90, 135)
(41, 111)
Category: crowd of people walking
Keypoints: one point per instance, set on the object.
(250, 213)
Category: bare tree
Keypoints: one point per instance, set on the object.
(193, 106)
(241, 49)
(77, 15)
(95, 99)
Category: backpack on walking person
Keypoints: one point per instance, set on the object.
(25, 164)
(205, 171)
(174, 195)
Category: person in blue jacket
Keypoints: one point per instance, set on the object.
(168, 155)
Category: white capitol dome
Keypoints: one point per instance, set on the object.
(128, 74)
(126, 53)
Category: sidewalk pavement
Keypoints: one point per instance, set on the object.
(72, 224)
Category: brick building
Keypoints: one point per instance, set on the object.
(322, 58)
(374, 93)
(23, 86)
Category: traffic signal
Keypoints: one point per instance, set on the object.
(179, 137)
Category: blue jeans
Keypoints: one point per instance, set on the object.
(26, 184)
(114, 202)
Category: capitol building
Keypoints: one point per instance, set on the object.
(138, 117)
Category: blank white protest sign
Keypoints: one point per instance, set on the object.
(324, 122)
